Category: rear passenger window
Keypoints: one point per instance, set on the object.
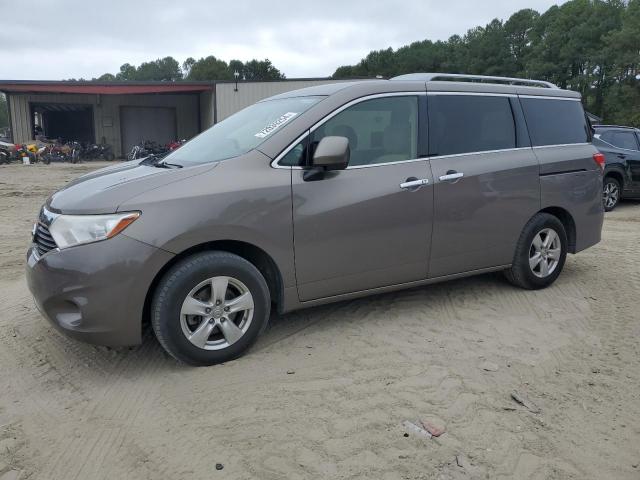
(470, 123)
(619, 139)
(555, 122)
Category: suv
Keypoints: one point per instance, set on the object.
(315, 196)
(621, 148)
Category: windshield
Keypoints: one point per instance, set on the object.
(241, 132)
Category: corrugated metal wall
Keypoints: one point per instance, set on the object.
(106, 113)
(229, 101)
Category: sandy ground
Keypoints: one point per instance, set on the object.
(325, 392)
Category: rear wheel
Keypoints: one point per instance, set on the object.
(540, 253)
(210, 308)
(611, 192)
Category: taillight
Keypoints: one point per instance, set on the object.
(599, 159)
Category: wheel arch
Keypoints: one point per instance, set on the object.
(617, 174)
(253, 254)
(567, 221)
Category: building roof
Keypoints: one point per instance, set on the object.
(103, 88)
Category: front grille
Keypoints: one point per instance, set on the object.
(43, 240)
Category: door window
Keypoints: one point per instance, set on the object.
(620, 139)
(379, 130)
(468, 123)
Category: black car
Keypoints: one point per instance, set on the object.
(621, 148)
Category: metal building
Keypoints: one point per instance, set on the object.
(123, 114)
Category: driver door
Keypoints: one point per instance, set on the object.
(363, 227)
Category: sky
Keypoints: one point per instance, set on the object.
(61, 39)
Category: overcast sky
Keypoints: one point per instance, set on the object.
(56, 39)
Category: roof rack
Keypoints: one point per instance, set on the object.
(428, 77)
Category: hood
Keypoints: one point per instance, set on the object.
(104, 190)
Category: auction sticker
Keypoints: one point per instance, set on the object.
(273, 126)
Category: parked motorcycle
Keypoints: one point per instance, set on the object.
(69, 152)
(97, 152)
(6, 152)
(147, 148)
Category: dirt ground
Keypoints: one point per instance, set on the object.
(325, 392)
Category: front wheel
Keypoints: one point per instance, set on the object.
(610, 193)
(210, 308)
(540, 253)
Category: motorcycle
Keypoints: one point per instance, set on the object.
(6, 152)
(62, 153)
(147, 148)
(98, 152)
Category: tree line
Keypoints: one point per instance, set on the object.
(591, 46)
(207, 68)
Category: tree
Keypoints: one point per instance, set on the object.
(187, 65)
(165, 69)
(106, 77)
(210, 68)
(127, 72)
(259, 70)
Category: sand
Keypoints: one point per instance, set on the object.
(325, 392)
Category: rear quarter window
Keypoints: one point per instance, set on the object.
(555, 122)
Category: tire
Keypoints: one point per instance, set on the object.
(521, 273)
(611, 193)
(216, 336)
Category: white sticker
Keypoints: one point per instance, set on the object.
(277, 123)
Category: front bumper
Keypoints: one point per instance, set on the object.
(96, 292)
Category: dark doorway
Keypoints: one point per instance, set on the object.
(65, 121)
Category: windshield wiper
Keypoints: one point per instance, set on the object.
(156, 161)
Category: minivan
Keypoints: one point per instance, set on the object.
(320, 195)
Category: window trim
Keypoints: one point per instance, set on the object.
(323, 120)
(481, 152)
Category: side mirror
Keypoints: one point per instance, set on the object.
(332, 153)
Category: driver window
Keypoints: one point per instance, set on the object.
(380, 130)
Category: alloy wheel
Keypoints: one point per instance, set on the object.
(611, 193)
(545, 252)
(216, 313)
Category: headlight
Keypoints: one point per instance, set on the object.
(71, 230)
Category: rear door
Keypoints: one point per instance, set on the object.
(363, 228)
(626, 142)
(626, 152)
(486, 180)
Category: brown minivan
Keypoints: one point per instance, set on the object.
(315, 196)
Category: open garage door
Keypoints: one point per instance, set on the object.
(64, 121)
(138, 124)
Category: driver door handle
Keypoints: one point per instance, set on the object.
(451, 176)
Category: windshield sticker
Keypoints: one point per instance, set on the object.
(273, 126)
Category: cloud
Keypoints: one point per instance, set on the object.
(54, 39)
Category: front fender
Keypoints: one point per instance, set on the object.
(243, 199)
